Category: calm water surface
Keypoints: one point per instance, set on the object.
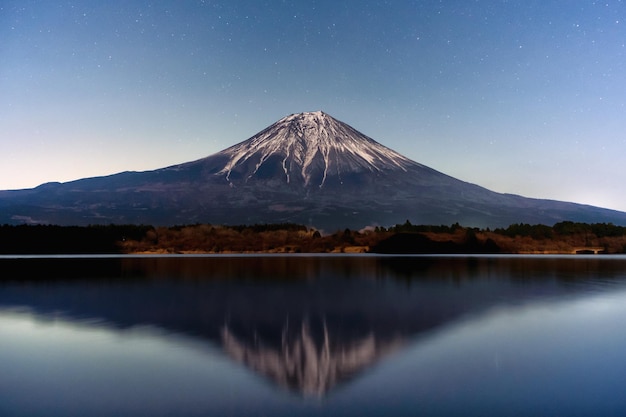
(313, 335)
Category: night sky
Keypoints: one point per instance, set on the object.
(525, 97)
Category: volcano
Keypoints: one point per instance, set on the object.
(307, 168)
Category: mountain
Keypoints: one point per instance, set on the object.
(307, 168)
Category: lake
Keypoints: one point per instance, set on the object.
(313, 335)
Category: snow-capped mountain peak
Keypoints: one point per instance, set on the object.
(307, 168)
(310, 147)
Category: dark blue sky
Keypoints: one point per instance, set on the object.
(525, 97)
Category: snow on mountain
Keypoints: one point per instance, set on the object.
(310, 146)
(307, 168)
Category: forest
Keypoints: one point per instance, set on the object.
(561, 238)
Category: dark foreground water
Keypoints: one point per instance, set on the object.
(320, 335)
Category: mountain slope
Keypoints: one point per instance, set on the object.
(306, 168)
(309, 149)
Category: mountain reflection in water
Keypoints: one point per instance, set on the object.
(302, 363)
(305, 323)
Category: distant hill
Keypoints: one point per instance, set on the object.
(307, 168)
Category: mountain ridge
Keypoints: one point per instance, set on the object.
(306, 168)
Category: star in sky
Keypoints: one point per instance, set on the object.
(524, 97)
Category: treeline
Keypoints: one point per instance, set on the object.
(567, 228)
(270, 238)
(408, 242)
(49, 239)
(563, 237)
(407, 227)
(538, 231)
